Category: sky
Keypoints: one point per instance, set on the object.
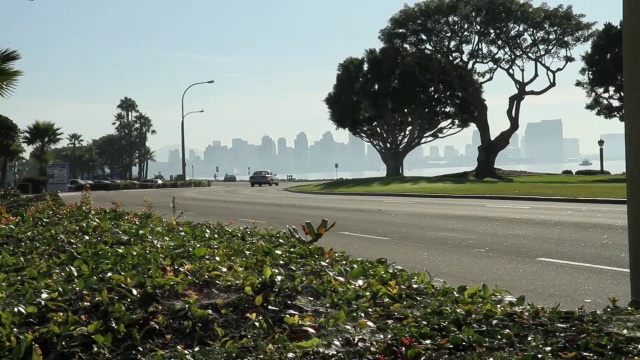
(273, 63)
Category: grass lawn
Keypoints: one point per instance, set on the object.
(593, 186)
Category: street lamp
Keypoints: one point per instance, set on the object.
(184, 161)
(601, 144)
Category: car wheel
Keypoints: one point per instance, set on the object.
(270, 184)
(260, 185)
(276, 184)
(253, 185)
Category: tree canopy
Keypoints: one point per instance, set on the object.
(602, 77)
(529, 44)
(397, 100)
(8, 73)
(42, 135)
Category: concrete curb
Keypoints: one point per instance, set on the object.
(482, 197)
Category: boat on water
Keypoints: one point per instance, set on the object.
(585, 162)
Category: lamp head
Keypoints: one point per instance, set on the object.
(601, 143)
(201, 110)
(211, 81)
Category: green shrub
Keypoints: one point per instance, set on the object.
(592, 172)
(88, 283)
(38, 184)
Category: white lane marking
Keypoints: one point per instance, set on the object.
(399, 202)
(509, 206)
(251, 220)
(362, 235)
(583, 264)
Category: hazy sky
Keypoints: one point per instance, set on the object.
(273, 63)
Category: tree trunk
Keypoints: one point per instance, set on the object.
(3, 176)
(394, 163)
(490, 148)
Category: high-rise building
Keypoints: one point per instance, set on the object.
(571, 148)
(267, 152)
(434, 151)
(544, 141)
(450, 152)
(282, 145)
(174, 158)
(475, 138)
(355, 153)
(301, 152)
(614, 148)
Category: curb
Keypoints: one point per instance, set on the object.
(481, 197)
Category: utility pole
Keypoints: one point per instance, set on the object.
(631, 59)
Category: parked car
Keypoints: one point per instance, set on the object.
(76, 185)
(156, 183)
(229, 177)
(263, 177)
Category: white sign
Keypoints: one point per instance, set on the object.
(58, 176)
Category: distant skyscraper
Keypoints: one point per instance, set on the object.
(174, 157)
(571, 148)
(470, 150)
(450, 152)
(301, 152)
(613, 146)
(355, 153)
(544, 141)
(434, 151)
(475, 138)
(282, 145)
(267, 152)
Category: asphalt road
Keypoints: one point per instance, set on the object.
(554, 253)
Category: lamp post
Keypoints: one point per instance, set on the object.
(184, 161)
(601, 144)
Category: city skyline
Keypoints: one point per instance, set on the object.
(541, 142)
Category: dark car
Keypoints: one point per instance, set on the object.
(229, 178)
(76, 185)
(263, 177)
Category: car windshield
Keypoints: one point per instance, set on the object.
(261, 173)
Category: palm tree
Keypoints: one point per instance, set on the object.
(8, 74)
(74, 139)
(144, 128)
(149, 155)
(42, 135)
(128, 106)
(125, 126)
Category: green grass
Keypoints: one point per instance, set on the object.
(80, 282)
(573, 186)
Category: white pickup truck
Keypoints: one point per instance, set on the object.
(263, 177)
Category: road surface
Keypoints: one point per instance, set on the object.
(553, 253)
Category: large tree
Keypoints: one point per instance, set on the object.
(125, 126)
(74, 140)
(112, 152)
(143, 128)
(42, 135)
(396, 101)
(529, 44)
(8, 73)
(9, 136)
(602, 77)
